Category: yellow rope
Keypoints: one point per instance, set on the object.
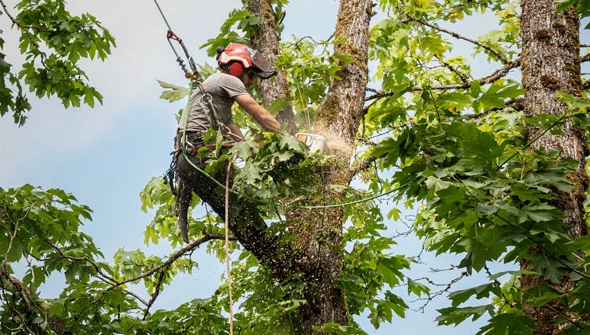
(231, 304)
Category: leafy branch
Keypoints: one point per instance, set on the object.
(432, 296)
(495, 52)
(25, 29)
(483, 81)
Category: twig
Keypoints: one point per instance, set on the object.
(435, 106)
(441, 292)
(227, 261)
(156, 292)
(534, 140)
(461, 76)
(499, 285)
(585, 58)
(21, 291)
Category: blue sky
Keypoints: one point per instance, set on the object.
(106, 155)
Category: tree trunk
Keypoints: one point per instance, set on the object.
(318, 233)
(266, 40)
(550, 64)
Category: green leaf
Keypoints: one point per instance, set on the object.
(277, 105)
(459, 297)
(452, 315)
(174, 93)
(551, 270)
(513, 324)
(4, 66)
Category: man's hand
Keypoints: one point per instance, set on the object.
(261, 115)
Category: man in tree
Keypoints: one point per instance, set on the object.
(210, 107)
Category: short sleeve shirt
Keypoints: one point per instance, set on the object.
(223, 89)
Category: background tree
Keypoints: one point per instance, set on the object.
(432, 135)
(53, 42)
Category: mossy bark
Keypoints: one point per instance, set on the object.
(266, 40)
(318, 234)
(550, 64)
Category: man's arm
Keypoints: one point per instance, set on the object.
(261, 115)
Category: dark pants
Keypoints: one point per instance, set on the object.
(244, 217)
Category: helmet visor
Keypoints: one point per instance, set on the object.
(263, 69)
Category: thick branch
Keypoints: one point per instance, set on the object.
(496, 53)
(585, 58)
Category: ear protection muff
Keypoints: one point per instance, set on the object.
(236, 69)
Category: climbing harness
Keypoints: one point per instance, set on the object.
(212, 115)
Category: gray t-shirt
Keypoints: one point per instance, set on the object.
(223, 88)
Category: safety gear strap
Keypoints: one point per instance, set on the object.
(212, 115)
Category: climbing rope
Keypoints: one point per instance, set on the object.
(170, 35)
(231, 303)
(169, 29)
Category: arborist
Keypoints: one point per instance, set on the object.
(210, 107)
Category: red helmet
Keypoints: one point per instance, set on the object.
(243, 57)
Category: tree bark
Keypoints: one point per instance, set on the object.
(318, 233)
(266, 40)
(550, 64)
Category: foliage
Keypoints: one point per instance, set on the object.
(451, 144)
(53, 42)
(309, 73)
